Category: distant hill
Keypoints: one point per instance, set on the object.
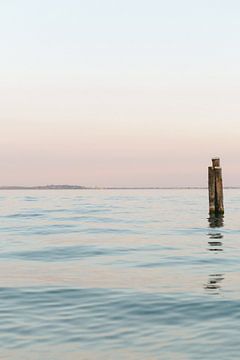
(44, 187)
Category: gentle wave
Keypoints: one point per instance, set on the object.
(114, 319)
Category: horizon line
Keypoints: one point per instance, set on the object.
(80, 187)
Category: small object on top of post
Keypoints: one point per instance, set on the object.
(215, 162)
(215, 188)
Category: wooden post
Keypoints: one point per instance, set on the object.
(215, 188)
(211, 190)
(219, 190)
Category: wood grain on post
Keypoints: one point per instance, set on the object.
(219, 208)
(211, 189)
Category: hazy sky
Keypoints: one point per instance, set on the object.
(127, 92)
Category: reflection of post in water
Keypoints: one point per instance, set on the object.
(213, 283)
(215, 222)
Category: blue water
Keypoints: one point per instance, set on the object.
(118, 274)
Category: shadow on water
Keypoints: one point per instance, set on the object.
(216, 222)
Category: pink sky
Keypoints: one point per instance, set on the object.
(130, 94)
(126, 137)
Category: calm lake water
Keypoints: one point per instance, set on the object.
(118, 274)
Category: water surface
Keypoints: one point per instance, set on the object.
(118, 274)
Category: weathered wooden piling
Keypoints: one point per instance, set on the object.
(219, 190)
(215, 188)
(211, 190)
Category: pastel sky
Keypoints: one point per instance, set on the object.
(119, 93)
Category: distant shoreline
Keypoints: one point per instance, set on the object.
(78, 187)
